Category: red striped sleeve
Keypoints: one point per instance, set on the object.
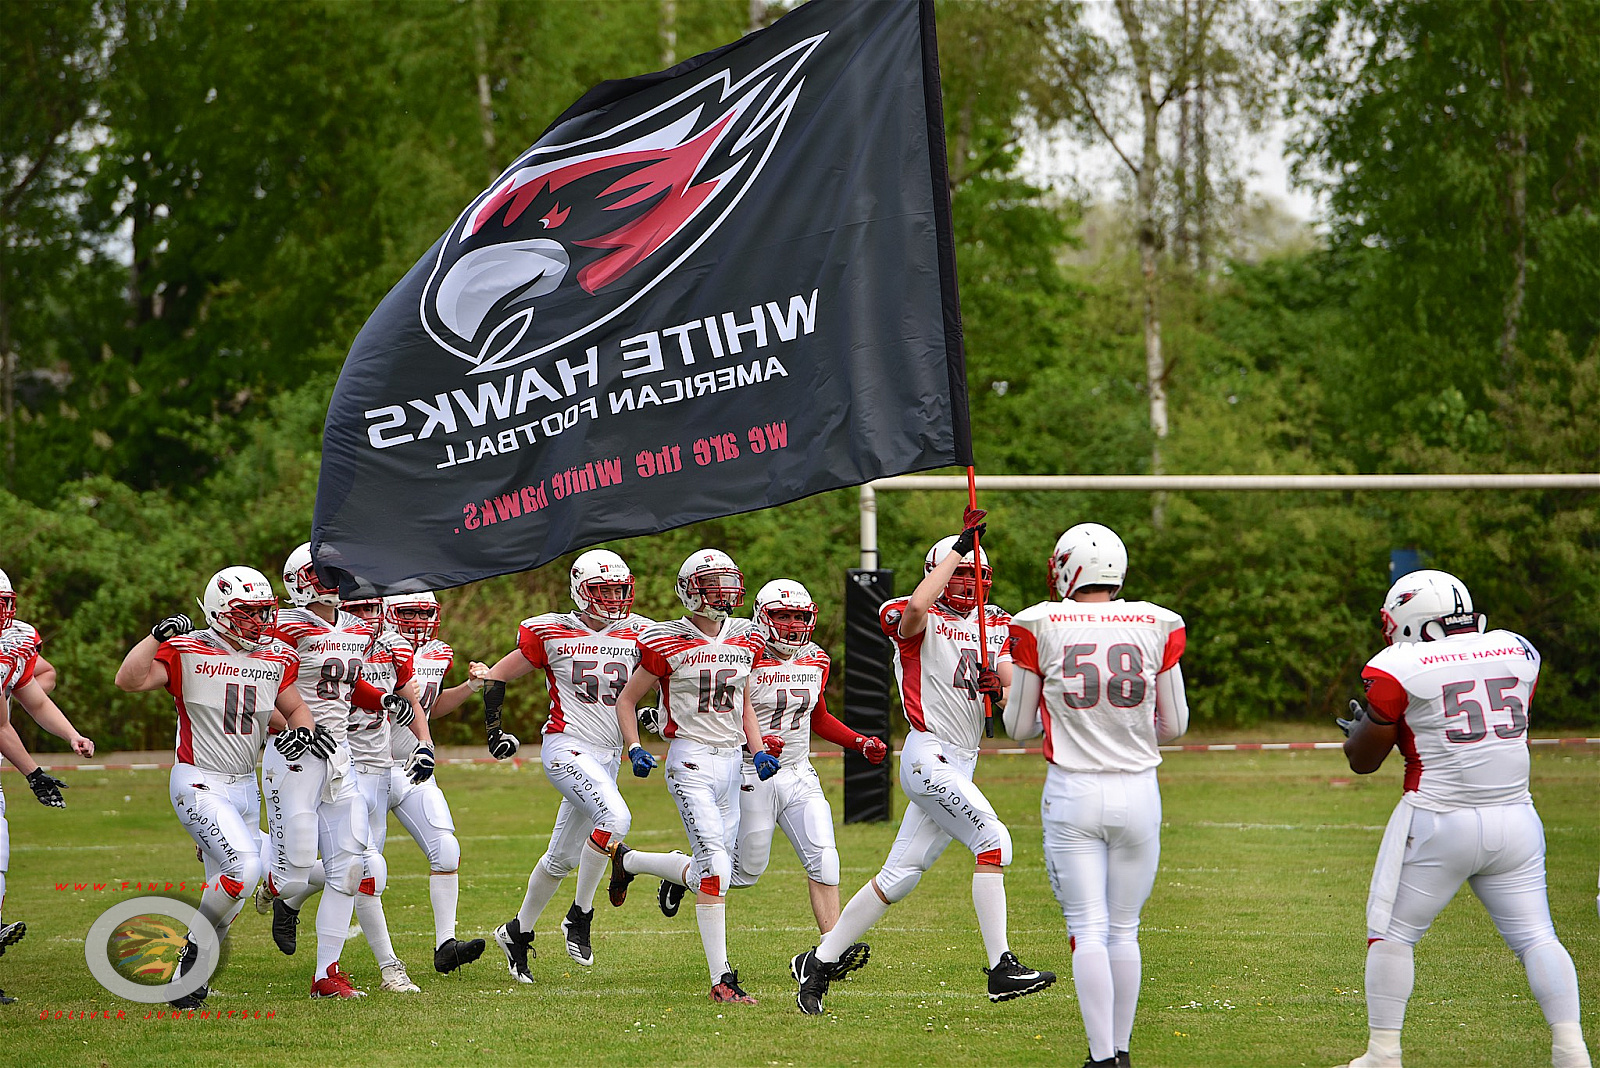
(1174, 650)
(1385, 695)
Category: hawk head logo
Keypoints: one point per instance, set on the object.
(586, 222)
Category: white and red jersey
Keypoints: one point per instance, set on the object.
(19, 652)
(387, 667)
(702, 678)
(429, 665)
(1462, 705)
(584, 671)
(1098, 662)
(331, 655)
(937, 669)
(785, 694)
(224, 697)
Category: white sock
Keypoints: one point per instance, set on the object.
(670, 867)
(333, 924)
(1091, 975)
(542, 886)
(1383, 1043)
(1390, 975)
(444, 888)
(1566, 1048)
(860, 914)
(989, 902)
(1127, 967)
(713, 921)
(592, 867)
(1554, 981)
(369, 914)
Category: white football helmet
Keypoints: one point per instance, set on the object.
(239, 603)
(602, 585)
(8, 601)
(300, 579)
(1425, 606)
(790, 633)
(961, 592)
(413, 616)
(1087, 555)
(710, 584)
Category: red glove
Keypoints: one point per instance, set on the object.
(972, 517)
(772, 744)
(989, 685)
(874, 750)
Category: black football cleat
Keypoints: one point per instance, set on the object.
(812, 975)
(1010, 979)
(518, 947)
(285, 924)
(1124, 1059)
(669, 897)
(617, 890)
(576, 929)
(11, 934)
(854, 958)
(453, 953)
(5, 1000)
(186, 961)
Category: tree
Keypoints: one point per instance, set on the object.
(1463, 140)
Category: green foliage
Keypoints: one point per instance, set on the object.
(221, 192)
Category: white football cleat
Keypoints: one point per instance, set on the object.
(396, 981)
(263, 898)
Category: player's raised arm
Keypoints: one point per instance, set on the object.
(938, 573)
(450, 700)
(140, 671)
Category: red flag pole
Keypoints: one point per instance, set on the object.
(983, 623)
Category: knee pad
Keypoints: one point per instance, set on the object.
(300, 840)
(446, 853)
(377, 870)
(824, 867)
(998, 849)
(557, 868)
(896, 884)
(345, 876)
(250, 868)
(618, 825)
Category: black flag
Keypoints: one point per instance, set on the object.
(703, 291)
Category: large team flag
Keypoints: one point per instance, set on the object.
(704, 291)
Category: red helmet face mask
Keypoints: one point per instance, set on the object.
(961, 592)
(418, 623)
(249, 621)
(608, 598)
(8, 608)
(790, 626)
(307, 574)
(721, 589)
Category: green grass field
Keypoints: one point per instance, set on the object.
(1253, 941)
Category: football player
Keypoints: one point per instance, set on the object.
(420, 806)
(785, 695)
(23, 674)
(1456, 698)
(387, 666)
(587, 656)
(312, 803)
(225, 679)
(1099, 677)
(702, 664)
(944, 675)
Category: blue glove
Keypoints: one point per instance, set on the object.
(766, 765)
(641, 760)
(419, 768)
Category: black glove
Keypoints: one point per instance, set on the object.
(1358, 712)
(502, 744)
(323, 742)
(171, 627)
(399, 709)
(47, 788)
(972, 528)
(293, 743)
